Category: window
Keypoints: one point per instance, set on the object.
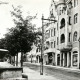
(69, 37)
(57, 26)
(50, 13)
(54, 44)
(47, 43)
(70, 5)
(75, 36)
(54, 31)
(69, 20)
(75, 18)
(57, 40)
(51, 44)
(75, 3)
(62, 23)
(51, 32)
(62, 38)
(47, 34)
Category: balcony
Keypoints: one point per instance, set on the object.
(64, 47)
(49, 50)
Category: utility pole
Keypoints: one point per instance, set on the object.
(79, 52)
(42, 48)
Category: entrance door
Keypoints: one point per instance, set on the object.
(49, 58)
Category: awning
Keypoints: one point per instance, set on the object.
(3, 50)
(49, 51)
(38, 53)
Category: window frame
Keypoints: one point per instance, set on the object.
(76, 18)
(75, 35)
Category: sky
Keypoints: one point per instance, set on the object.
(28, 6)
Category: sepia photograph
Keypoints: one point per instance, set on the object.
(39, 40)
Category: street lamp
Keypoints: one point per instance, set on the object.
(42, 48)
(79, 52)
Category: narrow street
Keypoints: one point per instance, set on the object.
(57, 74)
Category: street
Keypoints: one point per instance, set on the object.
(58, 75)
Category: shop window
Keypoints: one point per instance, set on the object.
(62, 38)
(62, 23)
(75, 58)
(75, 36)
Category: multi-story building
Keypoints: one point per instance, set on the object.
(50, 53)
(62, 37)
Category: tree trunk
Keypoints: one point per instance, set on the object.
(17, 59)
(31, 58)
(14, 61)
(21, 59)
(10, 60)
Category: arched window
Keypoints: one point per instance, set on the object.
(62, 23)
(75, 36)
(62, 38)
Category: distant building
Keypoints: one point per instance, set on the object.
(35, 54)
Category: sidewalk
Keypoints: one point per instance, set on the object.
(34, 75)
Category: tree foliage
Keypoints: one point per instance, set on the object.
(21, 37)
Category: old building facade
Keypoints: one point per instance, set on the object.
(62, 37)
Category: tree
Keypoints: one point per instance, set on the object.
(3, 43)
(21, 37)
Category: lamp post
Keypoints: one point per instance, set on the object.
(79, 52)
(42, 48)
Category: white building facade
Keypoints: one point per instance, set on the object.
(62, 47)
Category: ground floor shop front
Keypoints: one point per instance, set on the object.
(69, 59)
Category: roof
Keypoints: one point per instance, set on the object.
(61, 2)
